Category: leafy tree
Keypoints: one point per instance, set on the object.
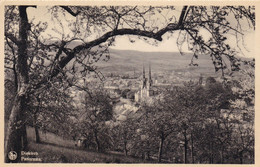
(157, 123)
(51, 109)
(97, 27)
(124, 133)
(218, 129)
(97, 113)
(242, 116)
(191, 101)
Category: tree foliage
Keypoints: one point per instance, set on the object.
(94, 118)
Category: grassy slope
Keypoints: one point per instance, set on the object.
(55, 149)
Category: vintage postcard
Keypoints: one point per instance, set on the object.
(129, 83)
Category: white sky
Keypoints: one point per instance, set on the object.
(166, 45)
(122, 42)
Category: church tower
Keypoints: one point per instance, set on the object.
(146, 89)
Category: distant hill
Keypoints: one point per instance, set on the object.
(128, 61)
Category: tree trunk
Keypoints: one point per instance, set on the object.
(15, 127)
(147, 150)
(23, 132)
(125, 147)
(192, 149)
(97, 142)
(185, 147)
(211, 152)
(241, 157)
(222, 155)
(24, 137)
(148, 155)
(13, 135)
(37, 135)
(160, 148)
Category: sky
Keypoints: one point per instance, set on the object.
(123, 43)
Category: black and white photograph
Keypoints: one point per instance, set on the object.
(129, 84)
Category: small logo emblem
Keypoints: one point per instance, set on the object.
(12, 155)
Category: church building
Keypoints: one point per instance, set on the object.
(145, 90)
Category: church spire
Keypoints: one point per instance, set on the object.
(143, 72)
(200, 79)
(150, 75)
(144, 79)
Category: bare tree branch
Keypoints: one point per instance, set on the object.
(70, 11)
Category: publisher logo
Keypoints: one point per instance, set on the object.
(12, 155)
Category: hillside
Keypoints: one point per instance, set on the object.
(55, 149)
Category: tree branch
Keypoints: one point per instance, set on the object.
(12, 38)
(105, 37)
(70, 11)
(124, 31)
(181, 19)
